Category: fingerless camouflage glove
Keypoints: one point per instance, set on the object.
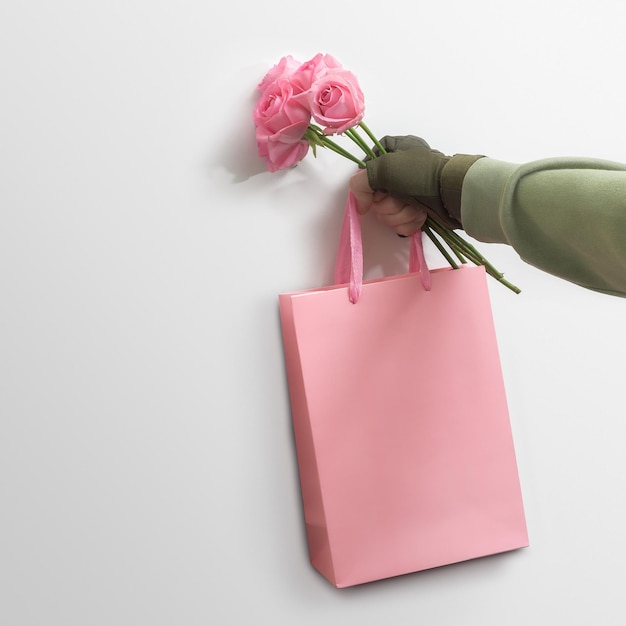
(412, 169)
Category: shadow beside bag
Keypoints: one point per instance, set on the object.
(401, 424)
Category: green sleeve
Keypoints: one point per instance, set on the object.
(566, 216)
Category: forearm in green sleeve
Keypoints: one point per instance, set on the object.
(565, 216)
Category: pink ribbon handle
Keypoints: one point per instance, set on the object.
(417, 261)
(349, 263)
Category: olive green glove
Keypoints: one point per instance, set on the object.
(412, 169)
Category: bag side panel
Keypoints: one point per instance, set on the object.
(314, 515)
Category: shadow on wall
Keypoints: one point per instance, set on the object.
(238, 153)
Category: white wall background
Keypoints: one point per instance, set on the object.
(147, 468)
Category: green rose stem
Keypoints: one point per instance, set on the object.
(316, 137)
(373, 137)
(439, 246)
(455, 241)
(354, 135)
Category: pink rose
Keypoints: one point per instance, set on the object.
(281, 122)
(336, 101)
(283, 149)
(311, 70)
(277, 108)
(283, 69)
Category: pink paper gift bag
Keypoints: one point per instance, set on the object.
(402, 431)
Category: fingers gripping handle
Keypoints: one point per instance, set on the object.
(349, 263)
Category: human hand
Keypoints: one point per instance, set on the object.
(410, 168)
(404, 215)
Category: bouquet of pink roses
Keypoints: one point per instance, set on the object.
(303, 104)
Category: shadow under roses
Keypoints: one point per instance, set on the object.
(237, 153)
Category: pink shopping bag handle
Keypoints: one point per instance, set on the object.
(349, 263)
